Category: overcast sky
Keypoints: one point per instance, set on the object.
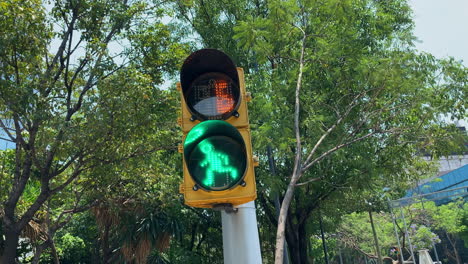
(442, 27)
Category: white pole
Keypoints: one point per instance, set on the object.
(240, 236)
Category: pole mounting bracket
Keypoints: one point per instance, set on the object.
(227, 207)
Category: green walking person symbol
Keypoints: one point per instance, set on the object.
(215, 162)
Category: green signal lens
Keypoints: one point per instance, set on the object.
(217, 163)
(215, 155)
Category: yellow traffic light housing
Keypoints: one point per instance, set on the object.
(218, 161)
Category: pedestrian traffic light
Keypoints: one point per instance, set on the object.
(217, 153)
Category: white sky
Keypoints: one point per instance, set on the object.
(442, 27)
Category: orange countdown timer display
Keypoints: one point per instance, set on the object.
(224, 98)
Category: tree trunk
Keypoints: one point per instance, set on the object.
(376, 241)
(54, 252)
(39, 249)
(297, 243)
(105, 245)
(324, 243)
(295, 253)
(285, 247)
(276, 200)
(280, 237)
(453, 243)
(297, 173)
(457, 255)
(303, 244)
(292, 243)
(11, 244)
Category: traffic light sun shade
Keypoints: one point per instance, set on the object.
(210, 85)
(216, 155)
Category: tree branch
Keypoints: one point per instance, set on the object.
(309, 181)
(282, 219)
(58, 55)
(328, 152)
(338, 121)
(7, 131)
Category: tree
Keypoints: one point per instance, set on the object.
(464, 221)
(339, 91)
(426, 225)
(447, 219)
(87, 103)
(355, 232)
(362, 101)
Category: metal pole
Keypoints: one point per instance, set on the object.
(240, 235)
(396, 232)
(407, 235)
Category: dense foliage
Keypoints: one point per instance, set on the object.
(427, 226)
(343, 106)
